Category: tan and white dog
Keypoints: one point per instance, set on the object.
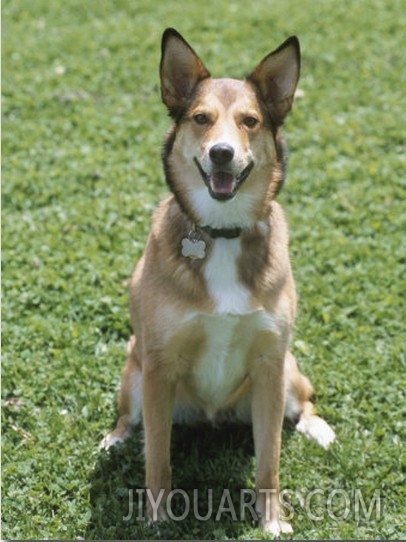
(213, 298)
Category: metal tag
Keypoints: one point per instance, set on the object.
(193, 248)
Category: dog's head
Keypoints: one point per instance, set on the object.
(226, 144)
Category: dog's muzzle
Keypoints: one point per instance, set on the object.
(222, 183)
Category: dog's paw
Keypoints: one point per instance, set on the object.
(157, 516)
(275, 527)
(160, 515)
(155, 520)
(114, 438)
(124, 429)
(314, 427)
(109, 441)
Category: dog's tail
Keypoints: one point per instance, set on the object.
(314, 427)
(300, 409)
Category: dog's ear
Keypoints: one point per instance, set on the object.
(180, 70)
(276, 78)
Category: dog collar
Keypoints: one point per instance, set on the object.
(225, 233)
(194, 247)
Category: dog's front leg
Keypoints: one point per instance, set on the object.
(267, 419)
(158, 399)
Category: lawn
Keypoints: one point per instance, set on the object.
(82, 132)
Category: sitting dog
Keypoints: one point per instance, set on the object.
(213, 298)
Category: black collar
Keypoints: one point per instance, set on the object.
(225, 233)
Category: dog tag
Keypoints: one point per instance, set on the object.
(194, 249)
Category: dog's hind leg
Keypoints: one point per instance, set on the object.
(298, 406)
(129, 400)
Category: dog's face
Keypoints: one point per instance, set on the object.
(226, 144)
(223, 136)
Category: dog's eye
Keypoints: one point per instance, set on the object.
(250, 122)
(201, 118)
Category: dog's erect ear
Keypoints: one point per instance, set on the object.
(180, 70)
(277, 76)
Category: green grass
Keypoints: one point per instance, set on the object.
(82, 131)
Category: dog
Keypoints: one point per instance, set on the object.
(213, 297)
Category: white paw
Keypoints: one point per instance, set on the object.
(314, 427)
(275, 527)
(156, 516)
(110, 440)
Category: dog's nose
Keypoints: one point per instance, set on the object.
(221, 153)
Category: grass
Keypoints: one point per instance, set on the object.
(82, 130)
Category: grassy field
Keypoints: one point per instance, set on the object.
(82, 132)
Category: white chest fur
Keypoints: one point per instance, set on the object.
(221, 274)
(229, 331)
(224, 363)
(222, 366)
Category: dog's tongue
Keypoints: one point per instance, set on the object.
(222, 183)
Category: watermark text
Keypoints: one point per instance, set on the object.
(316, 504)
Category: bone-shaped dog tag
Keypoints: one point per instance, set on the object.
(194, 249)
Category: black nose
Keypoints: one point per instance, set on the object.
(221, 153)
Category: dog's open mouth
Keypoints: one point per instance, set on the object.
(223, 185)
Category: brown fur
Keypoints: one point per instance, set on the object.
(211, 335)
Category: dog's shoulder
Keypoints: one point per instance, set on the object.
(169, 226)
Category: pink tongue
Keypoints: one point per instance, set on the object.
(222, 182)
